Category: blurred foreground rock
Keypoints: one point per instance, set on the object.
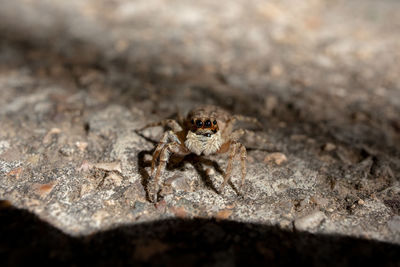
(77, 81)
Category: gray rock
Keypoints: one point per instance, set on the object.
(310, 221)
(394, 224)
(77, 81)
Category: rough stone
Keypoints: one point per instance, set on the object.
(310, 221)
(80, 78)
(394, 224)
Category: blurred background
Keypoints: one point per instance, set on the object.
(322, 76)
(330, 60)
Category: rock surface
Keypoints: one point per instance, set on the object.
(78, 78)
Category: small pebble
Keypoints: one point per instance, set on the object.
(329, 147)
(4, 145)
(309, 221)
(81, 145)
(179, 212)
(15, 172)
(223, 214)
(43, 189)
(285, 224)
(210, 171)
(66, 151)
(277, 157)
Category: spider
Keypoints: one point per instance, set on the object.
(205, 131)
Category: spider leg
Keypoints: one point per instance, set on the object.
(167, 137)
(232, 153)
(234, 149)
(165, 152)
(243, 157)
(172, 124)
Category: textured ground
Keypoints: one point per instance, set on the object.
(78, 78)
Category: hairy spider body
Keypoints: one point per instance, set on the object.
(205, 131)
(202, 144)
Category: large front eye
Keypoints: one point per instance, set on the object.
(199, 123)
(207, 123)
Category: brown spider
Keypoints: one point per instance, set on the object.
(206, 130)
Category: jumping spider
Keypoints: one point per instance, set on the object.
(206, 130)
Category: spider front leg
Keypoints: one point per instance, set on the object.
(167, 137)
(164, 154)
(234, 149)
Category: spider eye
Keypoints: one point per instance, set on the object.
(207, 123)
(192, 121)
(199, 123)
(215, 122)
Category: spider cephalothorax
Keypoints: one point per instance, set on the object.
(206, 130)
(205, 126)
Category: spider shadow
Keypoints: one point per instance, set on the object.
(176, 162)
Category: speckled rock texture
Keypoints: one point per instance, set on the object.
(79, 78)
